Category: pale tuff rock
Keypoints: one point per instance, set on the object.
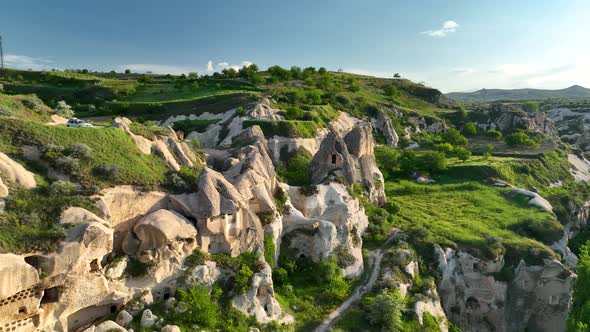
(535, 199)
(170, 328)
(123, 206)
(579, 167)
(278, 145)
(254, 174)
(3, 189)
(263, 110)
(259, 300)
(169, 148)
(430, 303)
(204, 274)
(508, 118)
(109, 326)
(383, 123)
(16, 275)
(344, 123)
(234, 127)
(163, 232)
(12, 172)
(224, 221)
(536, 298)
(148, 319)
(333, 217)
(351, 158)
(77, 215)
(223, 117)
(573, 125)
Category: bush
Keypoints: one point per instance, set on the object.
(386, 311)
(470, 129)
(454, 137)
(67, 164)
(521, 138)
(106, 171)
(343, 257)
(494, 134)
(79, 150)
(547, 231)
(202, 310)
(6, 111)
(196, 258)
(242, 279)
(269, 249)
(136, 269)
(296, 171)
(64, 109)
(433, 162)
(462, 153)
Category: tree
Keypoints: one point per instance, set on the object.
(521, 138)
(193, 75)
(322, 71)
(201, 309)
(579, 316)
(195, 86)
(127, 71)
(470, 129)
(454, 137)
(462, 153)
(494, 134)
(433, 162)
(64, 109)
(397, 76)
(386, 311)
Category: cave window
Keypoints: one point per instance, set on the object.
(302, 256)
(554, 299)
(50, 295)
(524, 283)
(266, 308)
(113, 309)
(94, 267)
(22, 310)
(333, 158)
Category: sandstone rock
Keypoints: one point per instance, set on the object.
(124, 318)
(334, 159)
(109, 326)
(285, 145)
(579, 167)
(535, 200)
(15, 275)
(12, 172)
(3, 189)
(160, 149)
(143, 144)
(116, 270)
(204, 274)
(148, 319)
(509, 118)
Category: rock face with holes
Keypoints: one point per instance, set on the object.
(259, 300)
(351, 158)
(327, 222)
(535, 298)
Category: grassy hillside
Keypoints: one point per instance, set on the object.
(156, 97)
(487, 95)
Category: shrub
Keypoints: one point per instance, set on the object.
(64, 109)
(265, 217)
(269, 249)
(79, 150)
(202, 310)
(196, 143)
(106, 171)
(67, 164)
(280, 199)
(196, 258)
(433, 162)
(454, 137)
(309, 190)
(470, 129)
(343, 257)
(136, 268)
(521, 138)
(494, 134)
(31, 102)
(242, 279)
(462, 153)
(6, 111)
(547, 231)
(296, 171)
(386, 311)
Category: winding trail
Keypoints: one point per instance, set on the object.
(375, 257)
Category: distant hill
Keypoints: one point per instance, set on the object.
(483, 95)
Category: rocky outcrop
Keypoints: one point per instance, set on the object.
(573, 125)
(383, 123)
(259, 300)
(316, 226)
(263, 110)
(224, 221)
(510, 118)
(351, 158)
(536, 298)
(13, 173)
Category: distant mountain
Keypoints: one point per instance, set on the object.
(483, 95)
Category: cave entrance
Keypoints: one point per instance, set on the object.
(50, 295)
(333, 158)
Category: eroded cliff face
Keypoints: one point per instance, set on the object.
(509, 118)
(535, 298)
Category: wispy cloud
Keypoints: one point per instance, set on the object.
(26, 62)
(463, 71)
(225, 65)
(447, 27)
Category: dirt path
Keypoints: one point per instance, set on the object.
(375, 257)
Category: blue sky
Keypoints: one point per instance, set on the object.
(453, 45)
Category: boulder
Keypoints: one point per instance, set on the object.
(170, 328)
(109, 326)
(12, 172)
(124, 318)
(148, 319)
(204, 274)
(77, 215)
(163, 227)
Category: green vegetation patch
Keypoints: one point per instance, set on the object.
(109, 146)
(188, 126)
(286, 128)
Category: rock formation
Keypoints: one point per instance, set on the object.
(510, 118)
(383, 123)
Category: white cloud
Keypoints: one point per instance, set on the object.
(210, 67)
(225, 65)
(26, 62)
(463, 71)
(447, 27)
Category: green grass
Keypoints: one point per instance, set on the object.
(287, 128)
(166, 91)
(188, 126)
(110, 146)
(471, 215)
